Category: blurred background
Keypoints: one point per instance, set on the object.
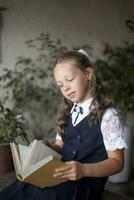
(34, 32)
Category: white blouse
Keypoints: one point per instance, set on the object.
(111, 128)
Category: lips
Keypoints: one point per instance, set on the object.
(71, 94)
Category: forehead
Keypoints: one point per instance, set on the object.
(66, 68)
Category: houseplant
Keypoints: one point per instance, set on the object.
(31, 86)
(11, 126)
(116, 71)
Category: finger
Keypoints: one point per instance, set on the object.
(69, 176)
(65, 173)
(62, 175)
(57, 174)
(62, 169)
(70, 162)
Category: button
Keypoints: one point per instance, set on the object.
(65, 133)
(78, 137)
(74, 152)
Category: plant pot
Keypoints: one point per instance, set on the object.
(6, 161)
(130, 123)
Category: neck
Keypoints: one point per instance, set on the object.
(87, 97)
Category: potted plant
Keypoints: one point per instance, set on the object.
(31, 85)
(31, 88)
(11, 126)
(116, 71)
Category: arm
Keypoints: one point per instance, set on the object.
(110, 166)
(76, 170)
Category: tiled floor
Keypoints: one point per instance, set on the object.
(113, 191)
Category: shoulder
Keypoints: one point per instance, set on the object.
(110, 113)
(112, 130)
(111, 121)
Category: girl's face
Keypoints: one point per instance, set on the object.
(73, 83)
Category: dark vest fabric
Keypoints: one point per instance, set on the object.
(83, 143)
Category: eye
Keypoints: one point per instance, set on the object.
(70, 78)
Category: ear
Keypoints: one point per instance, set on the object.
(89, 73)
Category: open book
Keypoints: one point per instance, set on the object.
(36, 164)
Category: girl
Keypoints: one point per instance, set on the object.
(89, 136)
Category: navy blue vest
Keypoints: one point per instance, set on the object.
(84, 142)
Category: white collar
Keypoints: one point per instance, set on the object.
(85, 105)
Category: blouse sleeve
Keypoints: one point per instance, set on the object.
(112, 131)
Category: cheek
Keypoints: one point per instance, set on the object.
(83, 86)
(62, 91)
(81, 83)
(79, 87)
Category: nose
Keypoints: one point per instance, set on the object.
(66, 87)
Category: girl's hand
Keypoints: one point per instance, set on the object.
(73, 170)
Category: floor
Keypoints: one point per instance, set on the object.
(113, 191)
(123, 191)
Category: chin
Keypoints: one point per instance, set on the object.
(72, 99)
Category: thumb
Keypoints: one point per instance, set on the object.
(70, 162)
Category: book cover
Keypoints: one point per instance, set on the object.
(36, 164)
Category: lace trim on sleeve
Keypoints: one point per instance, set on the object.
(112, 131)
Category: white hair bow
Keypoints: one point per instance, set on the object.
(82, 51)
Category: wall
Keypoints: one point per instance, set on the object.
(74, 21)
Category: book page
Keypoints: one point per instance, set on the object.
(36, 166)
(24, 151)
(38, 152)
(16, 157)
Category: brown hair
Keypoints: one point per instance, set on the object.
(99, 104)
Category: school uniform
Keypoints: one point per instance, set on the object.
(83, 142)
